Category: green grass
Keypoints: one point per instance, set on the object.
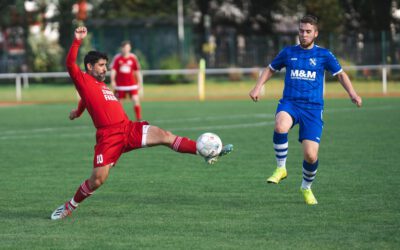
(214, 90)
(158, 199)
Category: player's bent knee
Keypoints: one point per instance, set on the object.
(99, 176)
(168, 137)
(96, 182)
(281, 129)
(283, 122)
(310, 157)
(168, 134)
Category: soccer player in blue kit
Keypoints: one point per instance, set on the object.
(302, 101)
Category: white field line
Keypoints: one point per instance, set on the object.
(227, 126)
(41, 132)
(215, 118)
(92, 134)
(355, 109)
(155, 122)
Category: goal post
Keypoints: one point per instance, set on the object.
(202, 79)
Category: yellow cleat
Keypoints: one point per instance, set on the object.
(309, 197)
(278, 175)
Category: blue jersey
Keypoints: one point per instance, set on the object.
(305, 69)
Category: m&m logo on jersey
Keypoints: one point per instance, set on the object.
(303, 74)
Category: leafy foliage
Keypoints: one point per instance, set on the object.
(171, 62)
(46, 55)
(134, 8)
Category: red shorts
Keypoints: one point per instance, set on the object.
(113, 141)
(121, 94)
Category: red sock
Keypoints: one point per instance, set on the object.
(82, 193)
(138, 112)
(184, 145)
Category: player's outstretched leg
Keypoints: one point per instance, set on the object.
(226, 149)
(86, 189)
(157, 136)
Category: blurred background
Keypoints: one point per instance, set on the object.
(36, 34)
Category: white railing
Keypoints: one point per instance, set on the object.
(22, 79)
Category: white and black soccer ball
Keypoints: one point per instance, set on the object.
(209, 145)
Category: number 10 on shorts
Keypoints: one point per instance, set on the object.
(99, 159)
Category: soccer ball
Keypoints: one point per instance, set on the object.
(209, 145)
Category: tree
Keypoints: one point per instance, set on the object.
(329, 13)
(251, 17)
(365, 15)
(65, 20)
(372, 22)
(109, 9)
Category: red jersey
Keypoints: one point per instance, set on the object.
(103, 107)
(125, 68)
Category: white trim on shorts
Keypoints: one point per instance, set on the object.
(145, 130)
(127, 88)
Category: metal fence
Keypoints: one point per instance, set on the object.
(158, 43)
(223, 49)
(22, 79)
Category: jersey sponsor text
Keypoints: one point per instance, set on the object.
(303, 74)
(109, 95)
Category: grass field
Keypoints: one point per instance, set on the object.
(157, 199)
(215, 90)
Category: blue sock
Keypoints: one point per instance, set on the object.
(281, 148)
(309, 172)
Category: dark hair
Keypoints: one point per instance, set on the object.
(93, 57)
(126, 42)
(311, 19)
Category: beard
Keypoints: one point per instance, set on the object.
(99, 76)
(306, 44)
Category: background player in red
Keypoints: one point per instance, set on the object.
(126, 78)
(115, 134)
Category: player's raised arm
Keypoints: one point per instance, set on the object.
(346, 83)
(73, 68)
(262, 79)
(80, 33)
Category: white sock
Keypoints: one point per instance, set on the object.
(309, 173)
(281, 151)
(306, 184)
(73, 203)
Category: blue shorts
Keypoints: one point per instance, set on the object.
(309, 120)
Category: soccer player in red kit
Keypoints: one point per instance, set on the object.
(126, 77)
(116, 134)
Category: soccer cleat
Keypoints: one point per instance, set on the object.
(62, 212)
(309, 197)
(278, 175)
(225, 150)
